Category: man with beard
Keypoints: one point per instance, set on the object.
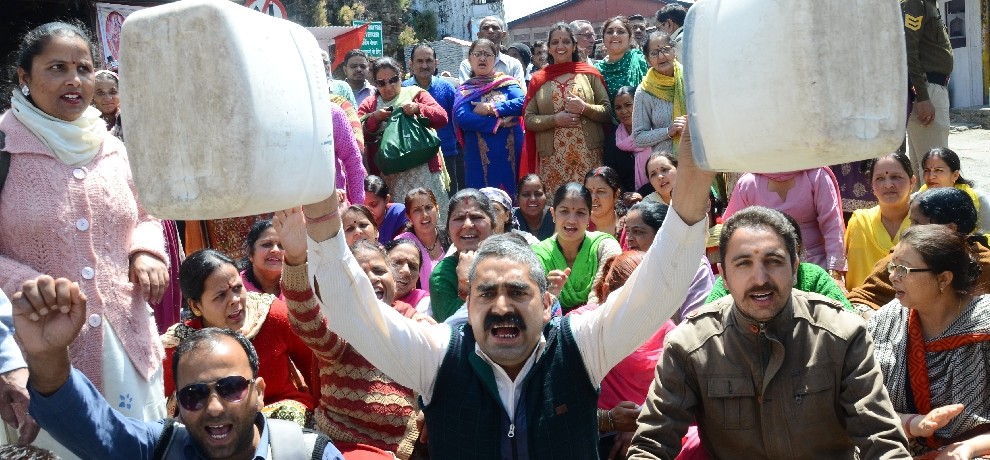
(769, 371)
(512, 382)
(216, 370)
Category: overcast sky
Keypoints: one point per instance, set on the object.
(517, 8)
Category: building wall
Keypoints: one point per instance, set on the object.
(459, 18)
(450, 53)
(535, 26)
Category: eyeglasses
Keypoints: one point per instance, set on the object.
(588, 35)
(665, 51)
(901, 271)
(482, 54)
(390, 81)
(194, 397)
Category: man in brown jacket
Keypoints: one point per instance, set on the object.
(769, 372)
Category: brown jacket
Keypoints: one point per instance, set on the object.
(597, 117)
(803, 385)
(877, 291)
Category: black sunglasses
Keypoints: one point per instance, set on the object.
(194, 397)
(391, 81)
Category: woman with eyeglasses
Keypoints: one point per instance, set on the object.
(566, 107)
(375, 112)
(486, 121)
(944, 206)
(932, 343)
(214, 293)
(624, 64)
(660, 103)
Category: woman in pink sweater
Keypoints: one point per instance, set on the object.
(68, 209)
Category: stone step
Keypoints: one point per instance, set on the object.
(970, 116)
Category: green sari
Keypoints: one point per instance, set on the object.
(578, 286)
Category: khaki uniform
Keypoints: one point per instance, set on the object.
(803, 385)
(929, 60)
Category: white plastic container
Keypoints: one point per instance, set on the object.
(777, 86)
(226, 111)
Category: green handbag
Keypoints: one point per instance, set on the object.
(407, 142)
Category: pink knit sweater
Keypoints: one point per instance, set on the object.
(83, 224)
(350, 163)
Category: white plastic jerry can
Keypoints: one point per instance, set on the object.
(775, 86)
(227, 111)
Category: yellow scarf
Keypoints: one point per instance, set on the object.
(969, 191)
(670, 89)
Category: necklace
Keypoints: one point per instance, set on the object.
(436, 240)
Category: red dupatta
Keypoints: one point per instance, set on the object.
(527, 163)
(918, 367)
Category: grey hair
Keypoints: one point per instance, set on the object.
(513, 248)
(577, 23)
(495, 19)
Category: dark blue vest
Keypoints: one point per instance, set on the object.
(556, 417)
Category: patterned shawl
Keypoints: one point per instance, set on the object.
(948, 369)
(473, 89)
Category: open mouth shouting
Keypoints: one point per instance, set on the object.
(505, 328)
(220, 432)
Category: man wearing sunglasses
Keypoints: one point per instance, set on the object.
(769, 371)
(493, 28)
(216, 370)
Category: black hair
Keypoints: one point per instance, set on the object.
(948, 205)
(392, 244)
(672, 11)
(636, 17)
(471, 194)
(353, 53)
(529, 178)
(206, 336)
(572, 189)
(625, 25)
(611, 178)
(483, 42)
(761, 218)
(944, 250)
(385, 63)
(950, 158)
(194, 271)
(525, 54)
(653, 213)
(28, 452)
(661, 154)
(575, 55)
(34, 42)
(417, 47)
(363, 210)
(253, 235)
(376, 186)
(900, 157)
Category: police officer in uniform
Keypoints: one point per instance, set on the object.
(929, 60)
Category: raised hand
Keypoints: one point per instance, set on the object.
(48, 314)
(290, 226)
(556, 280)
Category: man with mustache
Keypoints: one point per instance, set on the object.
(512, 382)
(769, 371)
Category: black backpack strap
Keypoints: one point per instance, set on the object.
(321, 444)
(161, 448)
(4, 164)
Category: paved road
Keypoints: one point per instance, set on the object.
(973, 147)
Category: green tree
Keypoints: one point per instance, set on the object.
(425, 25)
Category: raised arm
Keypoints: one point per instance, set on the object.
(48, 315)
(405, 350)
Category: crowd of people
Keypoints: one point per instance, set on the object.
(558, 279)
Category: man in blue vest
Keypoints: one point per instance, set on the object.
(512, 383)
(220, 394)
